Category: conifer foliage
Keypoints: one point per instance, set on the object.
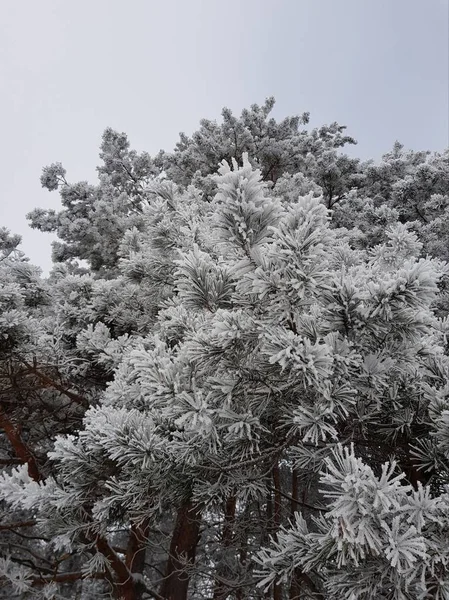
(244, 393)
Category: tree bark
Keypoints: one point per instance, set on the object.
(136, 551)
(124, 585)
(220, 591)
(136, 548)
(182, 552)
(21, 449)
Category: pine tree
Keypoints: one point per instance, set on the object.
(242, 392)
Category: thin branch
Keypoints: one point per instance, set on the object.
(9, 462)
(66, 578)
(298, 502)
(4, 527)
(55, 385)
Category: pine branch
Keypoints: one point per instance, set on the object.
(9, 462)
(48, 381)
(4, 527)
(65, 578)
(295, 501)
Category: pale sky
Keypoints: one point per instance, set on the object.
(154, 68)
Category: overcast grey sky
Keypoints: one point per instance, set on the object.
(155, 68)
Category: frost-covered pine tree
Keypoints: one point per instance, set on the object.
(264, 387)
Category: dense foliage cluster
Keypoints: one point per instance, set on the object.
(234, 383)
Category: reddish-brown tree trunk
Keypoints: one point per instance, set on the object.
(220, 591)
(124, 585)
(182, 552)
(22, 451)
(136, 550)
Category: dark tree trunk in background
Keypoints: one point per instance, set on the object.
(124, 585)
(220, 591)
(22, 451)
(136, 550)
(182, 551)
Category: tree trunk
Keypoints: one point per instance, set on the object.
(23, 452)
(124, 585)
(136, 550)
(220, 591)
(182, 552)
